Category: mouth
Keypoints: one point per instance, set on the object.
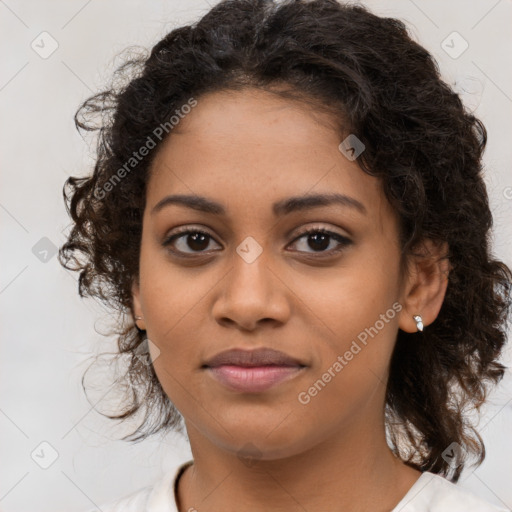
(253, 371)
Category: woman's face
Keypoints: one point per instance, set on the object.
(257, 281)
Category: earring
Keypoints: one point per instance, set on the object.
(138, 318)
(419, 322)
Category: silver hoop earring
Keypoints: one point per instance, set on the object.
(419, 322)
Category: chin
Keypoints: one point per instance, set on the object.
(264, 445)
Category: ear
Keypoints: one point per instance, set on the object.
(424, 285)
(137, 306)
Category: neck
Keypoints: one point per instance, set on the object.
(353, 470)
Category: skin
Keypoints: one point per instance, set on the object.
(247, 150)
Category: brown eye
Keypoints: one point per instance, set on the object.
(319, 241)
(189, 242)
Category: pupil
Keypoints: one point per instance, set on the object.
(198, 241)
(319, 238)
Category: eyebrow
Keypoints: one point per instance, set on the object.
(283, 207)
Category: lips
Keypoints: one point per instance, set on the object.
(251, 358)
(253, 371)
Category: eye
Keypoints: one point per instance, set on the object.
(188, 241)
(320, 239)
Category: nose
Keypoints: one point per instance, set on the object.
(253, 294)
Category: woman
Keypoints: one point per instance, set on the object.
(288, 203)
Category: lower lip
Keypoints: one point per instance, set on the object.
(253, 379)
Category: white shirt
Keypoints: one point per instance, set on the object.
(430, 493)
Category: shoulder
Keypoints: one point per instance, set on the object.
(134, 502)
(434, 493)
(158, 496)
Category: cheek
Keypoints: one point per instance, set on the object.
(169, 304)
(341, 303)
(178, 332)
(168, 292)
(352, 367)
(352, 314)
(175, 317)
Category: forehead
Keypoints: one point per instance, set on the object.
(250, 119)
(254, 144)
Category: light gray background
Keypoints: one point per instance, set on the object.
(49, 334)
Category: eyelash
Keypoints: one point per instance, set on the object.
(342, 240)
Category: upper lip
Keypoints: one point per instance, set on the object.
(258, 357)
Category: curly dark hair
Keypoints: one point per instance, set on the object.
(420, 141)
